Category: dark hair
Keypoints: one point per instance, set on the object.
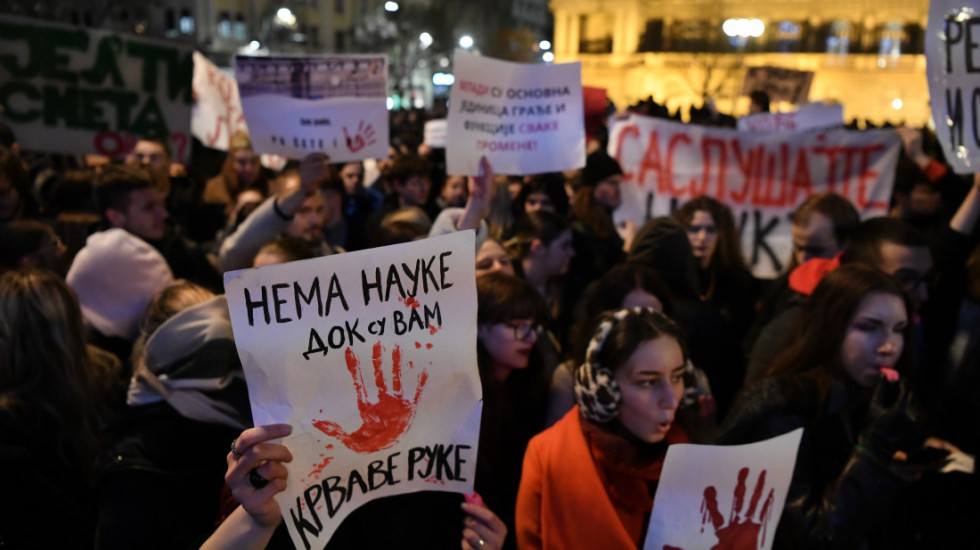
(761, 99)
(115, 184)
(628, 334)
(501, 297)
(551, 184)
(864, 246)
(7, 137)
(818, 334)
(71, 191)
(607, 294)
(540, 225)
(404, 167)
(12, 168)
(290, 249)
(728, 252)
(399, 231)
(174, 298)
(22, 238)
(162, 142)
(844, 218)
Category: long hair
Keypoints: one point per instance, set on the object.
(591, 213)
(541, 225)
(728, 252)
(45, 375)
(238, 142)
(819, 333)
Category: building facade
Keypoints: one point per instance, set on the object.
(866, 55)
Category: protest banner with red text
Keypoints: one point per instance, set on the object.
(66, 89)
(525, 118)
(953, 67)
(761, 177)
(370, 356)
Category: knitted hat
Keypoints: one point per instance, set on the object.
(598, 167)
(115, 276)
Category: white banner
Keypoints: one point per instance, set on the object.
(371, 357)
(300, 105)
(761, 177)
(953, 66)
(525, 118)
(66, 89)
(712, 496)
(217, 112)
(807, 117)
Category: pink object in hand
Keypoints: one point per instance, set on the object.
(890, 374)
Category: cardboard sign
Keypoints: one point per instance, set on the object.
(807, 117)
(780, 83)
(953, 66)
(713, 496)
(371, 357)
(761, 177)
(217, 112)
(301, 105)
(525, 118)
(66, 89)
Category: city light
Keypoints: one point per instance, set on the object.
(285, 17)
(466, 41)
(743, 28)
(391, 6)
(426, 40)
(254, 45)
(544, 45)
(548, 57)
(443, 79)
(897, 103)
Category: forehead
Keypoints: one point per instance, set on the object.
(141, 197)
(662, 355)
(882, 306)
(816, 227)
(149, 148)
(313, 201)
(897, 257)
(352, 168)
(490, 248)
(244, 154)
(702, 217)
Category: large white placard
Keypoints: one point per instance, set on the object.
(953, 66)
(217, 112)
(807, 117)
(762, 177)
(371, 357)
(713, 496)
(525, 118)
(300, 105)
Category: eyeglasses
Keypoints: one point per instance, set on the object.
(523, 330)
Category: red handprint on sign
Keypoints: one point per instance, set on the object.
(362, 138)
(386, 420)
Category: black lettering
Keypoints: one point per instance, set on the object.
(427, 275)
(301, 524)
(339, 331)
(308, 299)
(759, 241)
(277, 302)
(951, 25)
(443, 468)
(955, 114)
(355, 477)
(413, 276)
(310, 349)
(391, 469)
(443, 269)
(251, 305)
(432, 314)
(393, 280)
(971, 45)
(458, 462)
(335, 292)
(375, 470)
(398, 321)
(331, 486)
(367, 286)
(352, 331)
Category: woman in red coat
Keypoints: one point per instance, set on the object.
(589, 480)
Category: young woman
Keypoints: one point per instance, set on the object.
(589, 480)
(861, 429)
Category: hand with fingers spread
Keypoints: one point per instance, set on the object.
(743, 528)
(361, 139)
(255, 471)
(482, 529)
(384, 421)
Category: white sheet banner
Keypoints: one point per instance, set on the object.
(953, 66)
(761, 177)
(371, 357)
(713, 496)
(807, 117)
(300, 105)
(217, 112)
(525, 118)
(66, 89)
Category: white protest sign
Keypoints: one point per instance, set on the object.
(953, 66)
(712, 496)
(371, 357)
(807, 117)
(762, 177)
(435, 133)
(66, 89)
(217, 112)
(779, 83)
(300, 105)
(525, 118)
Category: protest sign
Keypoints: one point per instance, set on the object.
(435, 133)
(781, 84)
(217, 112)
(295, 106)
(525, 118)
(66, 89)
(595, 103)
(307, 332)
(807, 117)
(761, 177)
(699, 481)
(953, 66)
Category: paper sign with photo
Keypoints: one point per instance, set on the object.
(525, 118)
(300, 105)
(371, 357)
(712, 496)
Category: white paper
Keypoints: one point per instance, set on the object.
(435, 133)
(300, 105)
(525, 118)
(730, 496)
(393, 404)
(217, 112)
(807, 117)
(953, 67)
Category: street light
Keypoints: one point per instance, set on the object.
(466, 41)
(544, 45)
(285, 17)
(548, 57)
(742, 29)
(391, 6)
(426, 40)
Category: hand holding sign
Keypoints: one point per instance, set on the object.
(255, 454)
(385, 421)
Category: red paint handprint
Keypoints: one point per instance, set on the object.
(741, 532)
(386, 420)
(362, 138)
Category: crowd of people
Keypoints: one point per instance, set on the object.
(599, 345)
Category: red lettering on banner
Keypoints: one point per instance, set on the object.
(745, 164)
(676, 191)
(801, 178)
(722, 167)
(867, 174)
(651, 161)
(632, 130)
